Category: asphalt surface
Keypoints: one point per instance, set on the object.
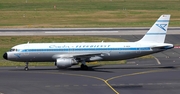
(124, 79)
(80, 31)
(138, 76)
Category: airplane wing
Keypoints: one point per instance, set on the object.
(86, 54)
(70, 55)
(78, 55)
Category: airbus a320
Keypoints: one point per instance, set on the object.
(65, 55)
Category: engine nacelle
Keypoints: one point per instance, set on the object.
(65, 62)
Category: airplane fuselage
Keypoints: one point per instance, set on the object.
(49, 52)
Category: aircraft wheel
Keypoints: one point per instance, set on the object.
(26, 68)
(84, 67)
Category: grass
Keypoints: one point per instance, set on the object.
(107, 62)
(86, 13)
(4, 63)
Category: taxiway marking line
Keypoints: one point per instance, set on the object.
(136, 73)
(157, 60)
(102, 85)
(110, 86)
(83, 32)
(98, 78)
(132, 74)
(106, 81)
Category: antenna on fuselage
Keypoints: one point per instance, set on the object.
(28, 42)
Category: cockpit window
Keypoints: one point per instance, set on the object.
(13, 50)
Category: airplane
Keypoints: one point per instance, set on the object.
(65, 55)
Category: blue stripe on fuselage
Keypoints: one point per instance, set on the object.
(86, 49)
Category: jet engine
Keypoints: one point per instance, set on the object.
(65, 62)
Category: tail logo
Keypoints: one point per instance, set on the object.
(162, 26)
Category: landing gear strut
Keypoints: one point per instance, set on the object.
(26, 66)
(84, 66)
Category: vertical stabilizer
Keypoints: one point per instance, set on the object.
(157, 32)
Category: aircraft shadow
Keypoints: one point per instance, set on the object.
(141, 67)
(90, 68)
(128, 87)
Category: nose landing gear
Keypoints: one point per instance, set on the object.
(26, 66)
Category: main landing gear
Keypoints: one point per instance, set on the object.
(83, 65)
(26, 66)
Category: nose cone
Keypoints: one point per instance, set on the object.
(5, 56)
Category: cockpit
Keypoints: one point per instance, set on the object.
(13, 50)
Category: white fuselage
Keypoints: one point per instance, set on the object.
(106, 51)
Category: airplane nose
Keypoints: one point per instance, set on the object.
(5, 56)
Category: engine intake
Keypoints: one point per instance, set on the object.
(65, 62)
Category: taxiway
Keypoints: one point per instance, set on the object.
(109, 79)
(138, 76)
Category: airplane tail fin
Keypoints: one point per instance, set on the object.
(157, 32)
